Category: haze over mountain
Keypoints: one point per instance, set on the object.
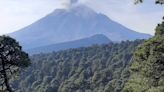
(65, 25)
(96, 39)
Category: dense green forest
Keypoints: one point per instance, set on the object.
(99, 68)
(147, 69)
(128, 66)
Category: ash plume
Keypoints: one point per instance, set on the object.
(67, 4)
(72, 2)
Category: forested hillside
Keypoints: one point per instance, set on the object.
(147, 69)
(99, 68)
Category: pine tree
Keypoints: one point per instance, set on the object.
(12, 59)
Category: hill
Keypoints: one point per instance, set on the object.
(85, 42)
(99, 68)
(147, 69)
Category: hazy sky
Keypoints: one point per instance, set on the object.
(16, 14)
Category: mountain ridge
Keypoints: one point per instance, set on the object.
(85, 42)
(68, 25)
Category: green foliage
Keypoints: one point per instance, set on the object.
(147, 69)
(99, 68)
(160, 28)
(12, 59)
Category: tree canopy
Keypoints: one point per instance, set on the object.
(99, 68)
(147, 69)
(12, 59)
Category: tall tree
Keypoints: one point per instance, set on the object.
(12, 59)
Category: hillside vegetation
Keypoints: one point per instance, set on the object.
(99, 68)
(147, 69)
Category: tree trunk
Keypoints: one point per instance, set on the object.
(6, 81)
(7, 84)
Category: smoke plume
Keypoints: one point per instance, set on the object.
(72, 2)
(67, 4)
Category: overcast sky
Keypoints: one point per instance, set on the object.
(16, 14)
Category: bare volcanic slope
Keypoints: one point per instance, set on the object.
(72, 24)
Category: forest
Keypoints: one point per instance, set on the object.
(99, 68)
(147, 69)
(126, 66)
(129, 66)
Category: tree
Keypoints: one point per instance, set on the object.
(147, 69)
(12, 60)
(156, 1)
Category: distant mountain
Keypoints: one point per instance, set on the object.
(96, 39)
(73, 24)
